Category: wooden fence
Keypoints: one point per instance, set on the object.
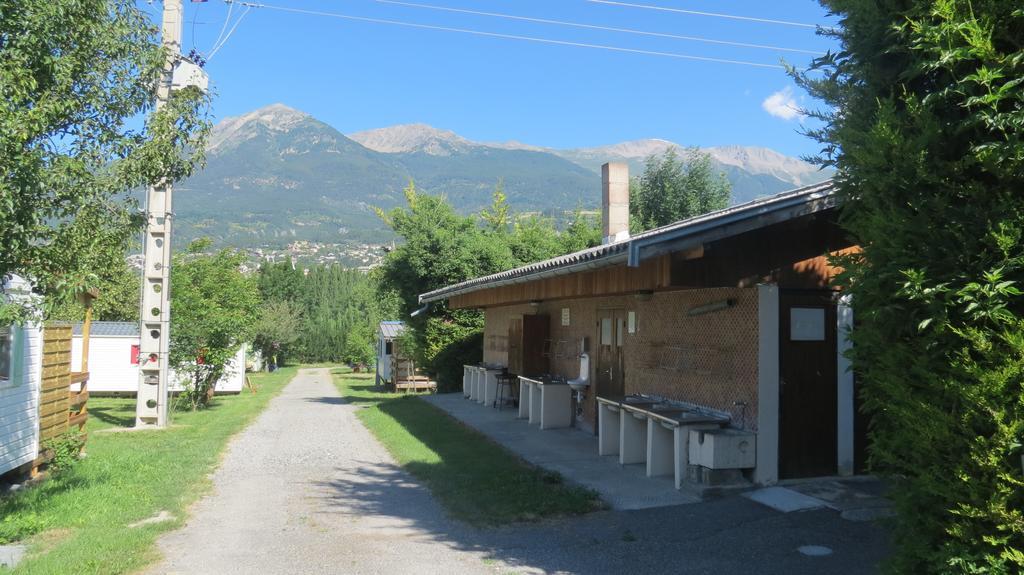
(60, 409)
(56, 381)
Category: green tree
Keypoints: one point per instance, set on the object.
(582, 232)
(118, 287)
(277, 327)
(926, 139)
(281, 281)
(441, 248)
(497, 218)
(534, 239)
(214, 310)
(673, 188)
(359, 345)
(73, 73)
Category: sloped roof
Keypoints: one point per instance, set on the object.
(391, 329)
(710, 226)
(108, 329)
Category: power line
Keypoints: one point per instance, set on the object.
(227, 20)
(505, 36)
(230, 32)
(596, 27)
(712, 14)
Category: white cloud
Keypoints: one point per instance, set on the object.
(782, 104)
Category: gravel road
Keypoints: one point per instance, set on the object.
(306, 489)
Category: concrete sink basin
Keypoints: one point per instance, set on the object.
(578, 385)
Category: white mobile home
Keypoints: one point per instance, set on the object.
(114, 360)
(20, 363)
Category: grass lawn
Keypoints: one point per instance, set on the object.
(80, 516)
(477, 480)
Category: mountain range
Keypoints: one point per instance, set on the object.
(276, 174)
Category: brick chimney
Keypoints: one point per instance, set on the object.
(615, 201)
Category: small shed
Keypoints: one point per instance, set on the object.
(387, 349)
(20, 376)
(114, 360)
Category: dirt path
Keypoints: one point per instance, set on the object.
(307, 489)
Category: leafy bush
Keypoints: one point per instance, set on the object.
(457, 352)
(66, 449)
(18, 526)
(926, 139)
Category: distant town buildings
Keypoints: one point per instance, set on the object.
(305, 254)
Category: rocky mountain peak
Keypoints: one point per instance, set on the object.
(758, 160)
(408, 138)
(275, 117)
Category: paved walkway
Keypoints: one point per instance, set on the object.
(569, 451)
(307, 489)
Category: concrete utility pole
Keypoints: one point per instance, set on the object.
(155, 322)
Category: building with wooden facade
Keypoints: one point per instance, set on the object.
(730, 313)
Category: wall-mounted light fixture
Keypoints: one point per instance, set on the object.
(536, 303)
(643, 295)
(711, 307)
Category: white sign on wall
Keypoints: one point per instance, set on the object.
(631, 322)
(807, 324)
(565, 316)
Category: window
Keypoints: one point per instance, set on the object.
(387, 347)
(6, 352)
(606, 331)
(807, 324)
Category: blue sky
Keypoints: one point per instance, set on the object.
(357, 75)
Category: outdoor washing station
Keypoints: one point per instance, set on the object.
(670, 438)
(545, 401)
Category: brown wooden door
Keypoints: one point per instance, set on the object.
(610, 334)
(515, 346)
(536, 331)
(807, 384)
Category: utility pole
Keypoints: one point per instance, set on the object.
(155, 316)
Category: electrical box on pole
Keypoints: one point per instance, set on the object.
(154, 333)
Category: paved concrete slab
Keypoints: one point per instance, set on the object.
(571, 452)
(11, 555)
(784, 499)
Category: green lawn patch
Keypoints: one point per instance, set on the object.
(477, 480)
(80, 516)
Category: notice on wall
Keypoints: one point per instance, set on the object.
(807, 324)
(565, 316)
(631, 322)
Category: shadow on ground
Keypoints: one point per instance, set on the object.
(727, 535)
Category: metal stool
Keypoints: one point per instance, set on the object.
(505, 379)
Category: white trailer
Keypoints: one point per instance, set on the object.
(114, 360)
(20, 376)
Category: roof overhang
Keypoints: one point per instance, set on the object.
(679, 236)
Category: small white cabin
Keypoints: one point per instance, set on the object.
(20, 376)
(114, 360)
(386, 348)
